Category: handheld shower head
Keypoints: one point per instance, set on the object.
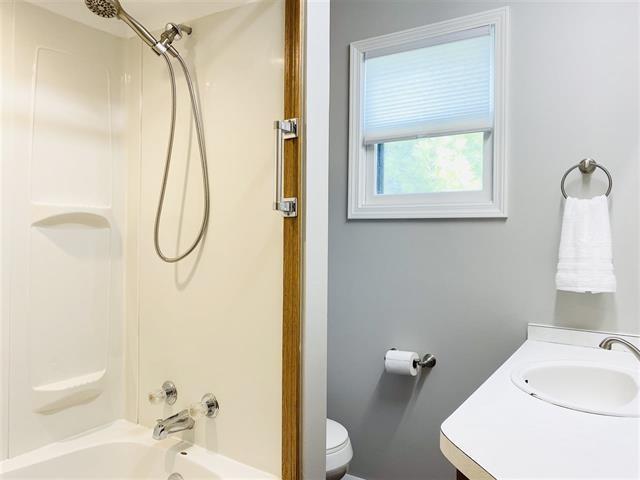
(113, 9)
(104, 8)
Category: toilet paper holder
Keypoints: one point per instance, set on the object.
(427, 361)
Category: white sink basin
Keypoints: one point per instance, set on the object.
(585, 386)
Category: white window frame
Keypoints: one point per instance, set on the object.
(363, 202)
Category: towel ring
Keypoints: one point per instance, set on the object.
(586, 166)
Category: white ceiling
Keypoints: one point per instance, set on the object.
(154, 14)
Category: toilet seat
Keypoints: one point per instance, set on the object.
(338, 447)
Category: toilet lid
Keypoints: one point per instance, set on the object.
(337, 436)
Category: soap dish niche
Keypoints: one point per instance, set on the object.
(53, 397)
(53, 215)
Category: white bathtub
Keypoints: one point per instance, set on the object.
(125, 451)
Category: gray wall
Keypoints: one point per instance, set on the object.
(466, 289)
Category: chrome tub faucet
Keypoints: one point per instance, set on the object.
(208, 406)
(179, 422)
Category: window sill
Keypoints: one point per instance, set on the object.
(466, 210)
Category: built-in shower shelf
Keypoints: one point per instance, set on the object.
(50, 214)
(52, 397)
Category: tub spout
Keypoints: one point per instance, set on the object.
(176, 423)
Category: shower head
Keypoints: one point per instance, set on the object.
(113, 9)
(104, 8)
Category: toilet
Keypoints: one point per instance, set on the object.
(339, 451)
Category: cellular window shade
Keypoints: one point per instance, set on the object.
(443, 88)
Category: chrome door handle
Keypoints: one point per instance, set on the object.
(285, 130)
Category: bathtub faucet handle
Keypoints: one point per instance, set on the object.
(208, 406)
(168, 394)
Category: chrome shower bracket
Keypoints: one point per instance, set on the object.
(172, 32)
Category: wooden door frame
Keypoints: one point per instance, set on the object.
(292, 300)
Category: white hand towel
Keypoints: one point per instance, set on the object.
(585, 258)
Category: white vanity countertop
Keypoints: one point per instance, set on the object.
(513, 435)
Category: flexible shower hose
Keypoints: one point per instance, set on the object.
(197, 115)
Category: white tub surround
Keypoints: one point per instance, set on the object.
(63, 227)
(124, 450)
(226, 301)
(93, 310)
(504, 433)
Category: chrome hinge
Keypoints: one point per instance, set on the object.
(289, 127)
(285, 130)
(288, 207)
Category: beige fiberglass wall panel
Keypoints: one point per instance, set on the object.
(65, 229)
(6, 20)
(212, 323)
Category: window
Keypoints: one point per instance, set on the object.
(427, 121)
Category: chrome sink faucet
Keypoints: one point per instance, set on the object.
(609, 341)
(179, 422)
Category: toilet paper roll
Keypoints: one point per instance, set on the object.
(400, 362)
